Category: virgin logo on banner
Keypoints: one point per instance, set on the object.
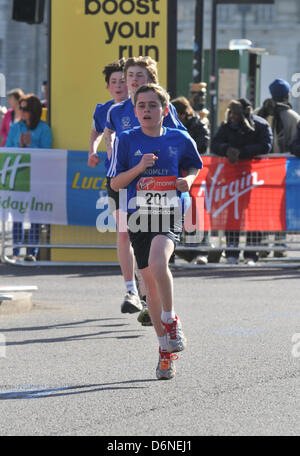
(249, 195)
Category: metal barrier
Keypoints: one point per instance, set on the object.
(45, 245)
(272, 252)
(276, 250)
(84, 245)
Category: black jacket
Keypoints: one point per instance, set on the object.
(249, 142)
(294, 145)
(199, 131)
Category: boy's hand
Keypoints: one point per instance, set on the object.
(147, 161)
(183, 184)
(93, 160)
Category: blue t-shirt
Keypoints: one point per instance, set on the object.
(175, 149)
(121, 117)
(41, 136)
(99, 120)
(100, 115)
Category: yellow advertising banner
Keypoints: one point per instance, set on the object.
(85, 36)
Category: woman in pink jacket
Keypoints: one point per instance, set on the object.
(13, 114)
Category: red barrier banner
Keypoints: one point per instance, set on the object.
(246, 196)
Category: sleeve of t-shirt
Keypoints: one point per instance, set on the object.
(190, 157)
(109, 121)
(171, 120)
(119, 156)
(99, 120)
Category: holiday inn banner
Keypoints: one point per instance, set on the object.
(57, 187)
(33, 185)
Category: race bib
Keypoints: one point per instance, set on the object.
(156, 194)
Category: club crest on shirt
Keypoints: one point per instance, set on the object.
(173, 151)
(125, 123)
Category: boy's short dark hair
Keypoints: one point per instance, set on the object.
(145, 62)
(118, 65)
(161, 93)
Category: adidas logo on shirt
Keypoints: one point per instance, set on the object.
(138, 153)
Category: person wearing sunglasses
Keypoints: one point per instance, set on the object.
(31, 132)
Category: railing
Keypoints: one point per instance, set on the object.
(257, 198)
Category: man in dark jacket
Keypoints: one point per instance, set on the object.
(242, 136)
(294, 145)
(280, 115)
(283, 121)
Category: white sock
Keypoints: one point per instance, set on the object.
(165, 316)
(131, 286)
(162, 342)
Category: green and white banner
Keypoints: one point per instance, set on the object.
(33, 185)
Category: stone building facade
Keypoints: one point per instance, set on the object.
(23, 47)
(275, 27)
(23, 51)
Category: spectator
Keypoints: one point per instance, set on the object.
(32, 132)
(242, 136)
(199, 131)
(283, 120)
(280, 115)
(3, 111)
(44, 101)
(44, 90)
(13, 114)
(294, 145)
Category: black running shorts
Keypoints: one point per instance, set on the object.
(141, 240)
(113, 195)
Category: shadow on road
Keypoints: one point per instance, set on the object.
(109, 334)
(68, 325)
(79, 271)
(256, 274)
(37, 392)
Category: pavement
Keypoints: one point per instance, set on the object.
(74, 365)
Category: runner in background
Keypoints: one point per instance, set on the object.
(114, 79)
(149, 160)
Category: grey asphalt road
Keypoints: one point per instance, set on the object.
(75, 365)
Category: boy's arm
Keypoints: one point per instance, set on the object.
(95, 140)
(108, 138)
(183, 184)
(124, 178)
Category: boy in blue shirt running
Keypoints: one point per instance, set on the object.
(117, 87)
(148, 164)
(115, 84)
(121, 117)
